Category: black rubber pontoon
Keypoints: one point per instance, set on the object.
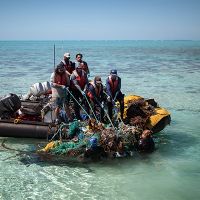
(24, 129)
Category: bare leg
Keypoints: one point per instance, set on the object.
(57, 111)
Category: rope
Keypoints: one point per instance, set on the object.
(78, 103)
(17, 121)
(59, 131)
(107, 113)
(114, 104)
(91, 108)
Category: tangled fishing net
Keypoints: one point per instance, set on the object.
(88, 137)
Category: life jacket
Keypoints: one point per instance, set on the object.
(68, 67)
(97, 90)
(61, 79)
(113, 84)
(84, 66)
(80, 79)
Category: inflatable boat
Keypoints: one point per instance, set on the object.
(35, 118)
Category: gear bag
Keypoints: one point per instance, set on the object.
(9, 104)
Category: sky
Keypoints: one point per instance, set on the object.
(100, 20)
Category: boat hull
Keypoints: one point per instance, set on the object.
(23, 129)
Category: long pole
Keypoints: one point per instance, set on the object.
(54, 55)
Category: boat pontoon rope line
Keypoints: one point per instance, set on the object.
(78, 103)
(17, 121)
(91, 108)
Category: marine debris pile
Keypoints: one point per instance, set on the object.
(92, 140)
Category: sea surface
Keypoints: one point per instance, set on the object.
(168, 71)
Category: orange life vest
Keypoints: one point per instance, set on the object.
(80, 79)
(68, 67)
(97, 90)
(61, 79)
(113, 84)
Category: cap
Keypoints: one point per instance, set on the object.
(67, 55)
(97, 79)
(113, 71)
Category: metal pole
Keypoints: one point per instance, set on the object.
(54, 55)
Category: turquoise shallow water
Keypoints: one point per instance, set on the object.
(168, 71)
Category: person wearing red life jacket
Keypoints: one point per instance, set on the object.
(59, 81)
(68, 64)
(95, 95)
(113, 90)
(83, 64)
(79, 82)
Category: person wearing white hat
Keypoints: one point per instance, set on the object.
(67, 63)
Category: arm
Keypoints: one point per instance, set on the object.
(52, 81)
(87, 81)
(119, 84)
(68, 80)
(74, 81)
(118, 88)
(101, 94)
(86, 66)
(108, 89)
(92, 92)
(73, 65)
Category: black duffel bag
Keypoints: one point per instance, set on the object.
(9, 104)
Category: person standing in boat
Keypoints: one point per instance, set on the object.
(59, 83)
(68, 64)
(79, 82)
(83, 64)
(113, 90)
(95, 95)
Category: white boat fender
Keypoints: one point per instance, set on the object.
(46, 87)
(37, 89)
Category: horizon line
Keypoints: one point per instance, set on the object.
(100, 40)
